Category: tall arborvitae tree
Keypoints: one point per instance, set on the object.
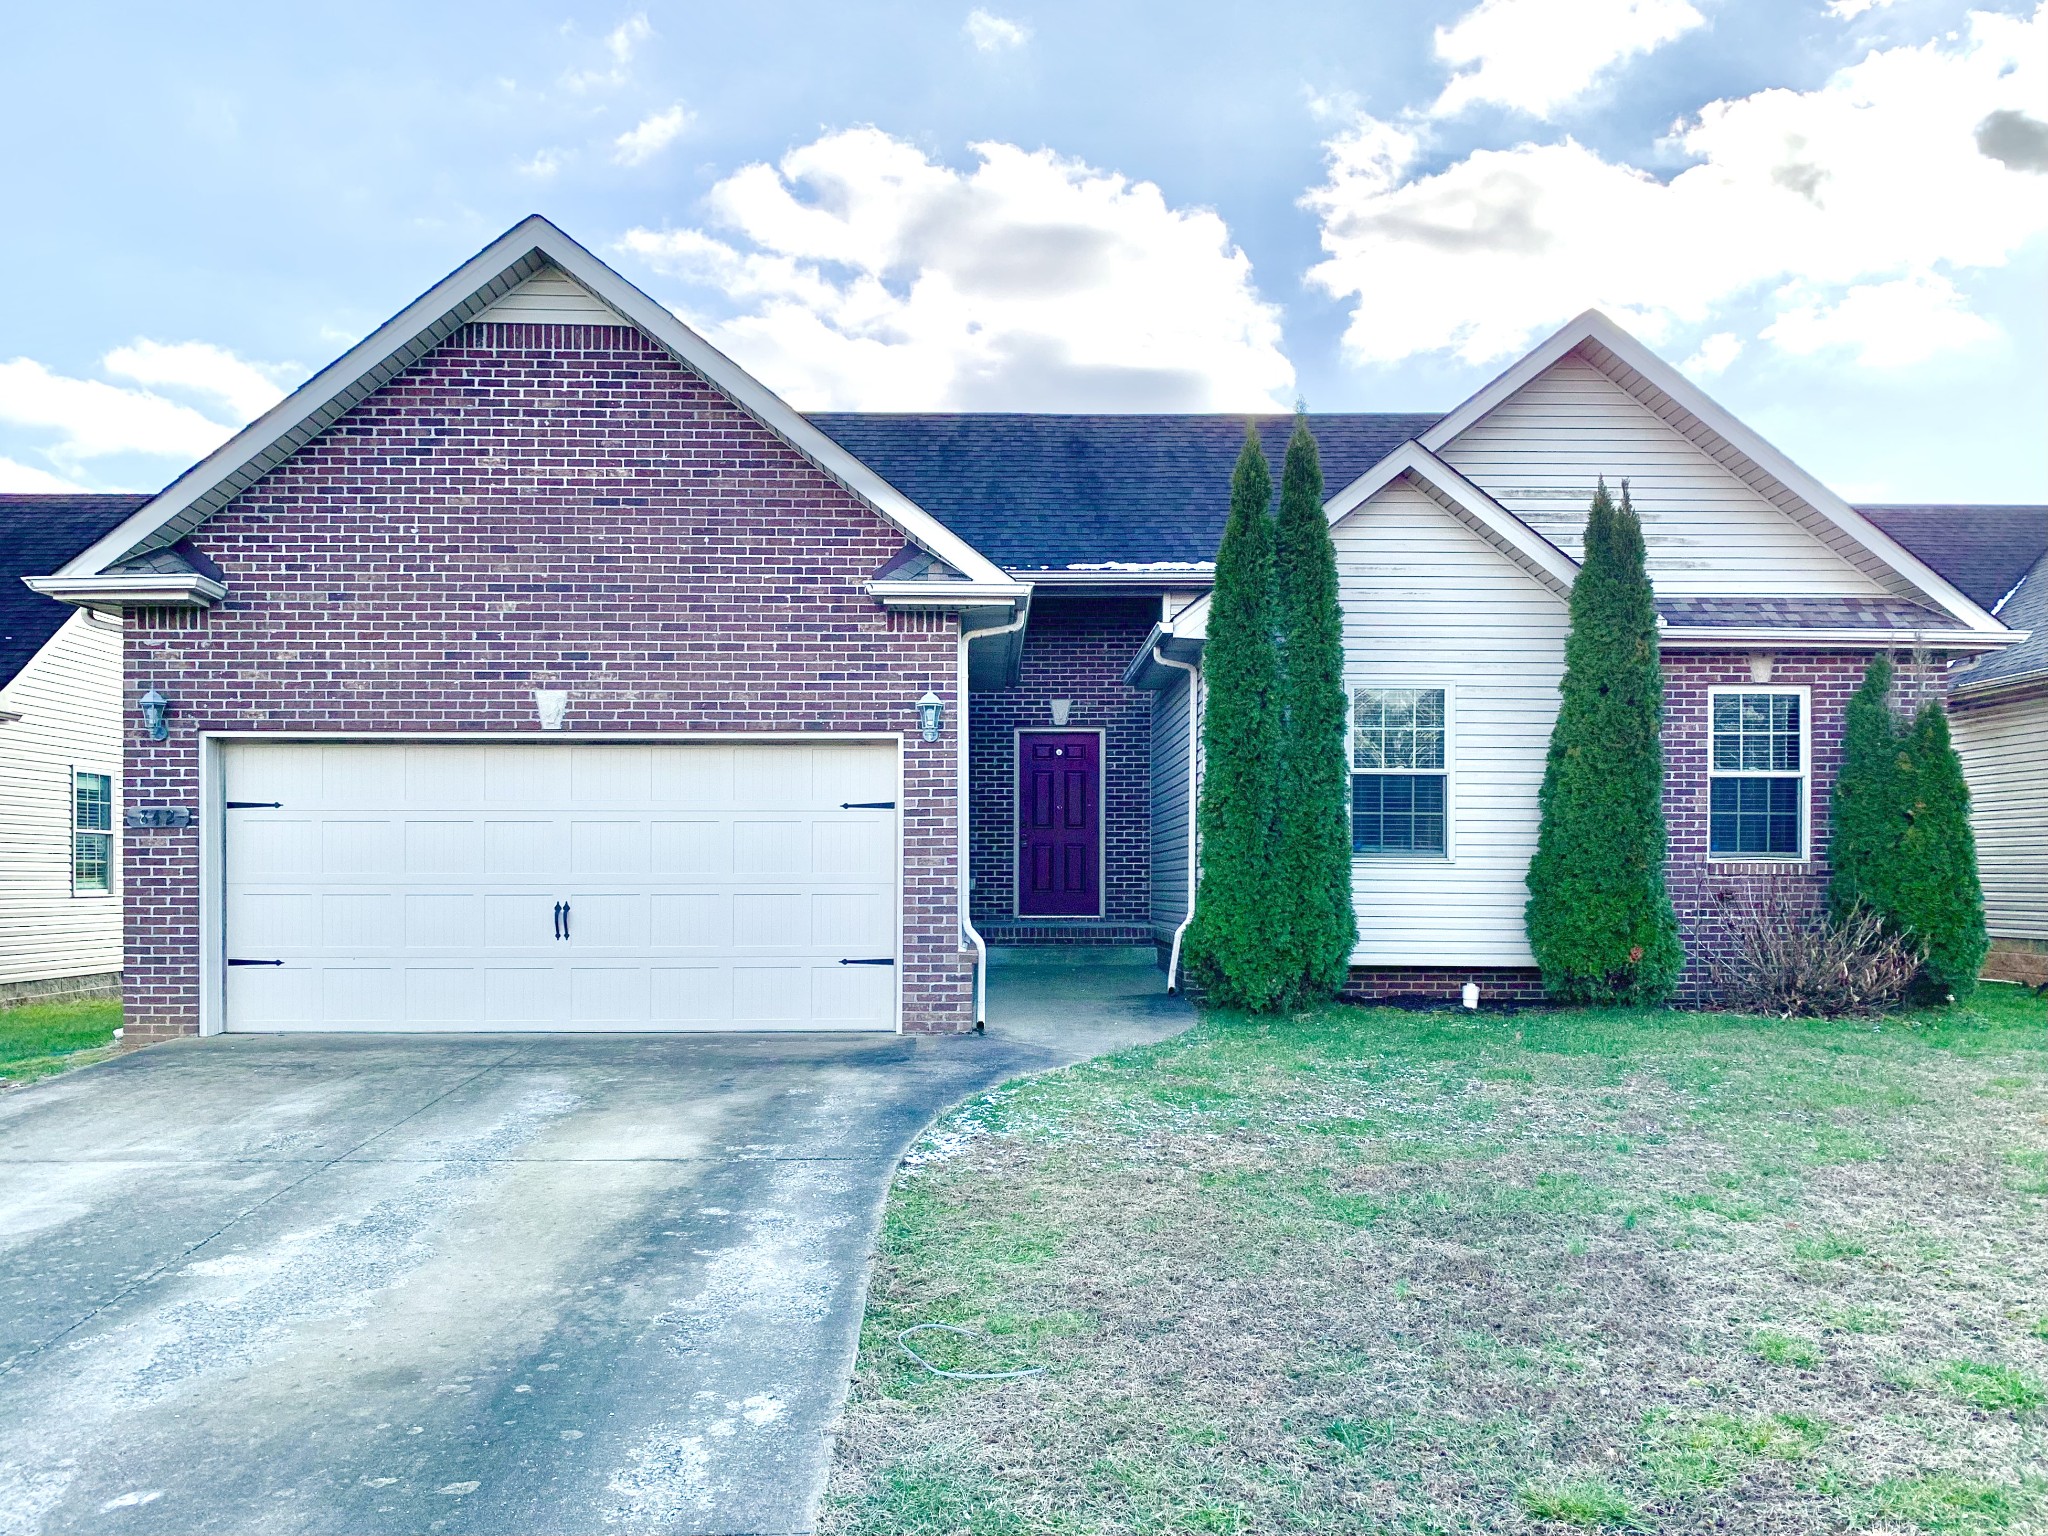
(1312, 833)
(1599, 918)
(1233, 943)
(1937, 900)
(1867, 815)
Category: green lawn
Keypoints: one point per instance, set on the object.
(1383, 1272)
(51, 1037)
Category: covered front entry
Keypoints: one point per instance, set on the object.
(415, 885)
(1059, 819)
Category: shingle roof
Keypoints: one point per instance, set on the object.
(1983, 550)
(1049, 492)
(1803, 612)
(38, 534)
(2026, 608)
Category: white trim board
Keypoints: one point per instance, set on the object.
(1668, 394)
(530, 246)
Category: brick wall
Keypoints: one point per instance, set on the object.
(542, 506)
(1706, 894)
(1075, 648)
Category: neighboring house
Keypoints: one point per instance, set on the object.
(1998, 712)
(534, 667)
(60, 761)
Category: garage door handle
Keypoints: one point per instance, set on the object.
(255, 962)
(885, 960)
(558, 919)
(867, 805)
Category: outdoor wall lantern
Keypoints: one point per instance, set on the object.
(154, 707)
(930, 712)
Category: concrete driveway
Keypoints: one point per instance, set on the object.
(543, 1284)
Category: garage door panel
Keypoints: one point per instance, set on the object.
(608, 847)
(701, 778)
(443, 998)
(530, 848)
(691, 920)
(444, 847)
(444, 920)
(690, 847)
(361, 922)
(417, 885)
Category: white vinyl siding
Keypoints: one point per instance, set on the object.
(1170, 808)
(552, 297)
(2004, 748)
(565, 886)
(1426, 600)
(1705, 532)
(69, 700)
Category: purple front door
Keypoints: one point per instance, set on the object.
(1059, 824)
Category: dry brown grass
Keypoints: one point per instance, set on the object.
(1378, 1272)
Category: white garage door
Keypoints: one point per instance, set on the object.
(488, 886)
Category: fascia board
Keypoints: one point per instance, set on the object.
(1707, 638)
(149, 591)
(428, 320)
(946, 594)
(1557, 568)
(1595, 327)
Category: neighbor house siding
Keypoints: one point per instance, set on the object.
(1075, 649)
(1706, 532)
(1428, 603)
(1171, 810)
(69, 700)
(545, 506)
(2004, 748)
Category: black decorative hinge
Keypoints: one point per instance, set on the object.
(255, 962)
(255, 805)
(867, 805)
(885, 960)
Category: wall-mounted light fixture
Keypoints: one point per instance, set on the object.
(1061, 708)
(931, 712)
(154, 707)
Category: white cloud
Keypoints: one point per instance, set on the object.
(1885, 325)
(866, 275)
(18, 478)
(620, 44)
(85, 419)
(653, 134)
(995, 34)
(1715, 353)
(244, 389)
(543, 166)
(1849, 10)
(1874, 177)
(1536, 55)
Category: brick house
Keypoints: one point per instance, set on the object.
(534, 667)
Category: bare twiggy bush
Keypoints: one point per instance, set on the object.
(1794, 965)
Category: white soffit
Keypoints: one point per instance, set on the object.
(1690, 412)
(528, 249)
(1466, 502)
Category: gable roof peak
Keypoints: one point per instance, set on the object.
(532, 245)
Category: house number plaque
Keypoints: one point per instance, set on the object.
(159, 816)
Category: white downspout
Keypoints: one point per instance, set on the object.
(967, 928)
(1194, 741)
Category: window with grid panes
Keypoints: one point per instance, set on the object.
(1399, 772)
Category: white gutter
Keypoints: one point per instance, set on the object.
(1194, 741)
(965, 858)
(1712, 637)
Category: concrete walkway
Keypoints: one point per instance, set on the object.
(452, 1284)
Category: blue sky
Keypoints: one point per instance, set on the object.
(1833, 213)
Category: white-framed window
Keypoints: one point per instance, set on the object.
(1401, 772)
(92, 833)
(1757, 775)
